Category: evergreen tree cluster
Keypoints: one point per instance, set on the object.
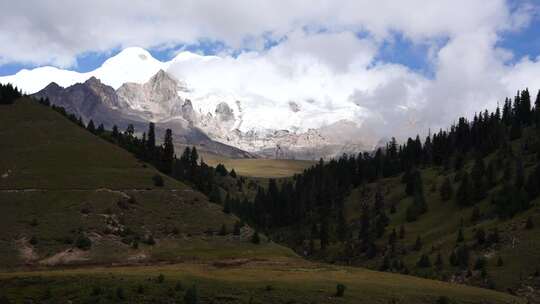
(9, 93)
(317, 194)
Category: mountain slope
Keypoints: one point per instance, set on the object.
(59, 183)
(70, 198)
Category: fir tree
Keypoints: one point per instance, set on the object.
(424, 261)
(418, 244)
(439, 263)
(460, 237)
(167, 156)
(91, 127)
(446, 190)
(464, 192)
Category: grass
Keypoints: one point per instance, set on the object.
(46, 151)
(268, 168)
(438, 228)
(290, 281)
(62, 182)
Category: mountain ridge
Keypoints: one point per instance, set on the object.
(158, 91)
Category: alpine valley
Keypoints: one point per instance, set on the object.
(133, 88)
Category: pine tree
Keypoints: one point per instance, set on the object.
(446, 190)
(480, 236)
(475, 216)
(460, 237)
(418, 244)
(342, 227)
(151, 142)
(115, 132)
(232, 173)
(439, 263)
(100, 129)
(424, 261)
(392, 237)
(324, 236)
(91, 127)
(167, 156)
(386, 263)
(464, 192)
(453, 259)
(237, 228)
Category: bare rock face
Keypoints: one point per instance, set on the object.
(219, 121)
(224, 112)
(88, 99)
(158, 98)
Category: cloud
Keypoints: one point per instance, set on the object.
(320, 50)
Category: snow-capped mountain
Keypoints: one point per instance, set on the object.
(137, 85)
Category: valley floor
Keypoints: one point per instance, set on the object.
(281, 280)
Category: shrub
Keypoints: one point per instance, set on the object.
(160, 278)
(223, 230)
(150, 240)
(255, 239)
(158, 180)
(443, 300)
(120, 293)
(480, 263)
(237, 227)
(424, 261)
(340, 290)
(96, 290)
(191, 296)
(33, 241)
(83, 242)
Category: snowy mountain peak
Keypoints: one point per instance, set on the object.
(131, 55)
(230, 112)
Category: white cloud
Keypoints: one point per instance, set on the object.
(319, 57)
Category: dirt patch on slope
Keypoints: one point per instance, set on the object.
(68, 256)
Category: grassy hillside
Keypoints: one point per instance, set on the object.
(269, 168)
(43, 150)
(439, 227)
(61, 184)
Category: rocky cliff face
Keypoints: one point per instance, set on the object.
(212, 120)
(137, 104)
